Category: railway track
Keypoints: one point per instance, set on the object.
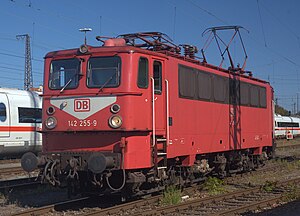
(226, 204)
(54, 207)
(150, 206)
(289, 146)
(11, 170)
(229, 203)
(8, 185)
(12, 176)
(9, 161)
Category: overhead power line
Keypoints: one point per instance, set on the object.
(18, 56)
(261, 23)
(17, 69)
(256, 41)
(282, 23)
(208, 12)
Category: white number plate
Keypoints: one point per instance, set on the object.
(82, 123)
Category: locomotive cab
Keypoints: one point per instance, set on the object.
(96, 122)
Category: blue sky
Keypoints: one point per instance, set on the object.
(272, 44)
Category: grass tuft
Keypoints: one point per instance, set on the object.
(269, 186)
(292, 194)
(171, 196)
(214, 186)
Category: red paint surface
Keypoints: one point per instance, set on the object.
(199, 127)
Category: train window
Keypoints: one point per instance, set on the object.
(187, 82)
(2, 112)
(244, 93)
(143, 73)
(262, 97)
(64, 74)
(104, 72)
(200, 85)
(157, 76)
(220, 86)
(30, 115)
(288, 124)
(204, 86)
(254, 96)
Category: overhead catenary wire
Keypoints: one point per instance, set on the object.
(255, 40)
(261, 24)
(18, 56)
(17, 69)
(208, 12)
(282, 23)
(174, 24)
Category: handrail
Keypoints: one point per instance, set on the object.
(153, 113)
(167, 111)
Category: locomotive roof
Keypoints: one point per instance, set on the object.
(133, 49)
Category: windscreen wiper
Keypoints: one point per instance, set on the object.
(107, 81)
(65, 86)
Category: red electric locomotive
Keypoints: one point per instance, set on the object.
(134, 115)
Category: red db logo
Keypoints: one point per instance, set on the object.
(82, 105)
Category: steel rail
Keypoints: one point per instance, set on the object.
(45, 210)
(148, 206)
(18, 183)
(11, 170)
(253, 206)
(216, 199)
(288, 146)
(125, 207)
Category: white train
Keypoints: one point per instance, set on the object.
(286, 126)
(20, 121)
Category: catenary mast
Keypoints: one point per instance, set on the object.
(28, 80)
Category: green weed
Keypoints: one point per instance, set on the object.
(214, 186)
(269, 186)
(292, 194)
(171, 196)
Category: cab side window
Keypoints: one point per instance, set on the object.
(143, 73)
(157, 76)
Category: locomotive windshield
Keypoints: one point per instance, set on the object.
(64, 74)
(104, 72)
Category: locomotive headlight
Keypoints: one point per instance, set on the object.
(50, 122)
(115, 108)
(50, 110)
(115, 121)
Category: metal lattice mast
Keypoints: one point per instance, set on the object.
(28, 80)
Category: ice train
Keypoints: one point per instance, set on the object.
(20, 121)
(286, 126)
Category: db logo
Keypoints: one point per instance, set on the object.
(82, 105)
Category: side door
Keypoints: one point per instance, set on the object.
(4, 116)
(158, 97)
